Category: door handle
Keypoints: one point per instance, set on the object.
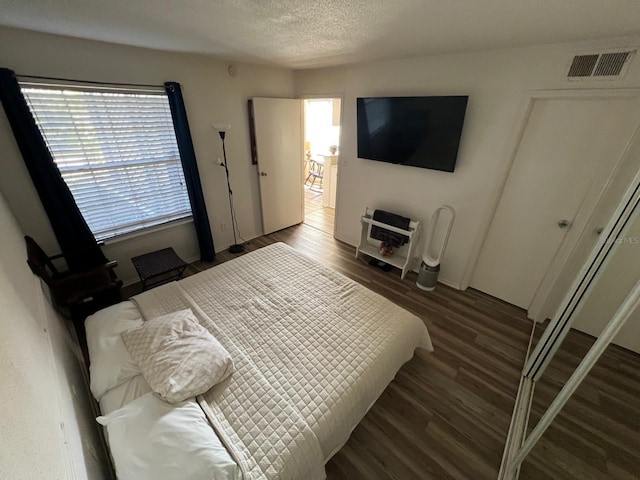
(599, 230)
(563, 223)
(263, 174)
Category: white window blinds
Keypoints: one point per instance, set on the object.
(118, 154)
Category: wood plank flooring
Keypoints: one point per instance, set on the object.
(597, 434)
(446, 414)
(315, 214)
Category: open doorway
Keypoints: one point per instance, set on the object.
(321, 150)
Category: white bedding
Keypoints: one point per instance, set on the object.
(313, 350)
(111, 364)
(123, 394)
(154, 440)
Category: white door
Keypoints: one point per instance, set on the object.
(568, 151)
(278, 131)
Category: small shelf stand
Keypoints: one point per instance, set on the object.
(403, 258)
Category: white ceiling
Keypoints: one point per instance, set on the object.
(307, 33)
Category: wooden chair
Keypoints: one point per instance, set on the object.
(316, 172)
(76, 293)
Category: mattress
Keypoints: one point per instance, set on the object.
(313, 350)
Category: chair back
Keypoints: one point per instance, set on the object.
(39, 262)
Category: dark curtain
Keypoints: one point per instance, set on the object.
(190, 168)
(74, 237)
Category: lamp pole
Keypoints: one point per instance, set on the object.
(236, 247)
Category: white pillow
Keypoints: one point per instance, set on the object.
(119, 396)
(178, 357)
(110, 362)
(151, 439)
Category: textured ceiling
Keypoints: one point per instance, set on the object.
(305, 33)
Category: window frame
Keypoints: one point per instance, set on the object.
(122, 230)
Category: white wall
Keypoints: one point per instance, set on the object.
(47, 429)
(211, 95)
(497, 82)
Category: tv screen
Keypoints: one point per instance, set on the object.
(417, 131)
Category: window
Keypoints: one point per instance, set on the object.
(117, 152)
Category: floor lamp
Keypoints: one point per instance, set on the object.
(222, 130)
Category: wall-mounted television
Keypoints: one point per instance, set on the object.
(416, 131)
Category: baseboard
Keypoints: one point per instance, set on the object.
(348, 241)
(242, 241)
(192, 259)
(223, 248)
(448, 283)
(416, 268)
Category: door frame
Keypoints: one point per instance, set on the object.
(524, 113)
(315, 96)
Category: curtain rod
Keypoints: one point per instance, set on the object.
(92, 82)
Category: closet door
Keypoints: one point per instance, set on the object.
(568, 150)
(577, 409)
(596, 434)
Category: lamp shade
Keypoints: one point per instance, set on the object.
(221, 127)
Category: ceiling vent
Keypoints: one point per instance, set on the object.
(603, 66)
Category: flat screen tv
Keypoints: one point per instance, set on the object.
(416, 131)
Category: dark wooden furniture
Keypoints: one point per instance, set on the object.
(76, 294)
(159, 267)
(80, 293)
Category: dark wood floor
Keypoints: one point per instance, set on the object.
(597, 434)
(446, 414)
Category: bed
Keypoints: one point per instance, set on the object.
(312, 350)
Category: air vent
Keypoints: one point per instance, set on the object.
(611, 64)
(607, 65)
(583, 65)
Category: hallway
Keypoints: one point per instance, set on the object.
(315, 215)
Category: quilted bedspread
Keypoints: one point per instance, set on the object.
(312, 350)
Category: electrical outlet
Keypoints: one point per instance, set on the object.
(223, 227)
